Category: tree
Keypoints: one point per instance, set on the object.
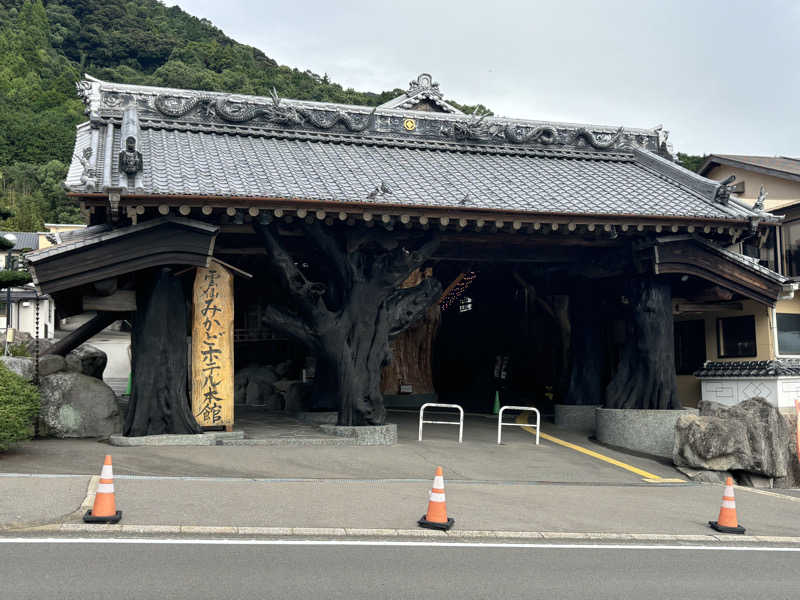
(159, 398)
(645, 376)
(347, 320)
(691, 162)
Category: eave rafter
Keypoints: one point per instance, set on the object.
(233, 212)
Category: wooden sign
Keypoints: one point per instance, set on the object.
(212, 347)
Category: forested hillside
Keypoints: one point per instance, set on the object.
(45, 46)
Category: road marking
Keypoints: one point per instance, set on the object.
(346, 480)
(522, 418)
(390, 543)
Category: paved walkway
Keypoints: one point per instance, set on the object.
(478, 458)
(515, 487)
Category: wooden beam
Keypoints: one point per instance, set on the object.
(92, 327)
(119, 301)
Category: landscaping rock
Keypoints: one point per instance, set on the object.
(254, 386)
(51, 363)
(749, 436)
(29, 342)
(298, 395)
(792, 479)
(753, 480)
(704, 476)
(19, 365)
(77, 405)
(87, 359)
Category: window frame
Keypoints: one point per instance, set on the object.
(777, 342)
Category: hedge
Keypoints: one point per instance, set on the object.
(19, 405)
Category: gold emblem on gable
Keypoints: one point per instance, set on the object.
(410, 124)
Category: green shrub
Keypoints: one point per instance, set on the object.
(10, 278)
(19, 350)
(19, 405)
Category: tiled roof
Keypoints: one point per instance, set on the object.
(778, 164)
(750, 368)
(211, 144)
(26, 240)
(187, 163)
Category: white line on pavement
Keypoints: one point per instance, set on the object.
(230, 542)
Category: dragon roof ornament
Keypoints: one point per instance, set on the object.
(257, 115)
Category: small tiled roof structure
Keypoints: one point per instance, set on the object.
(750, 368)
(779, 166)
(214, 145)
(26, 240)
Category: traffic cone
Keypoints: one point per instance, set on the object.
(496, 407)
(436, 518)
(105, 507)
(727, 523)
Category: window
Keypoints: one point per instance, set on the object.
(736, 337)
(791, 243)
(788, 333)
(767, 251)
(690, 346)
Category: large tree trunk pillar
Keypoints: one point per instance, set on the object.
(588, 350)
(645, 377)
(412, 354)
(159, 399)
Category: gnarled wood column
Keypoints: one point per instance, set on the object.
(645, 377)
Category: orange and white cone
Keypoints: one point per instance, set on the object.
(105, 507)
(727, 522)
(436, 517)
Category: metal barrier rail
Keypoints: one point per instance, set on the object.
(500, 421)
(460, 421)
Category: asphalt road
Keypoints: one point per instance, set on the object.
(291, 570)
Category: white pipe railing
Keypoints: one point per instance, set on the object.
(525, 408)
(460, 421)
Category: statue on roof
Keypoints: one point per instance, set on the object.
(762, 197)
(130, 159)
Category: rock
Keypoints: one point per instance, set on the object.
(750, 436)
(253, 386)
(87, 359)
(753, 480)
(29, 342)
(77, 405)
(298, 395)
(792, 479)
(20, 365)
(282, 369)
(704, 476)
(51, 363)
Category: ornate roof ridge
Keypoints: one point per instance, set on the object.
(106, 101)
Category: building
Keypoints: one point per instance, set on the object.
(549, 256)
(728, 331)
(24, 300)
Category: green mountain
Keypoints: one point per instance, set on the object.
(45, 47)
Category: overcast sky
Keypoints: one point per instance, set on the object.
(722, 75)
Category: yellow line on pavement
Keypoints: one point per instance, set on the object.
(523, 418)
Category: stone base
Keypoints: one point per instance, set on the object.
(368, 435)
(209, 438)
(646, 431)
(577, 417)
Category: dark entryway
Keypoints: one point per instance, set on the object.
(498, 337)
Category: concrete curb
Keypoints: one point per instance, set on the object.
(87, 503)
(343, 532)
